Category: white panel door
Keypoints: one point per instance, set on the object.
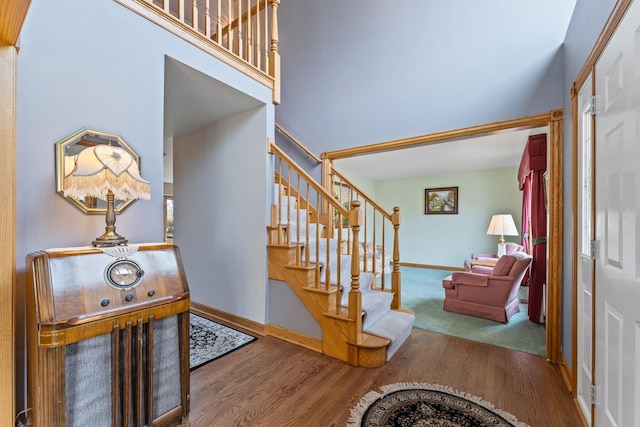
(617, 284)
(585, 235)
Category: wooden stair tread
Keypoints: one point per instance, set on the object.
(371, 341)
(285, 245)
(343, 314)
(302, 267)
(332, 289)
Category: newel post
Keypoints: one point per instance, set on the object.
(395, 274)
(274, 55)
(355, 296)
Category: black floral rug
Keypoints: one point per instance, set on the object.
(426, 405)
(210, 340)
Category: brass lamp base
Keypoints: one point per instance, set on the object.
(111, 240)
(110, 237)
(502, 249)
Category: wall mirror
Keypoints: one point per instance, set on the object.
(73, 144)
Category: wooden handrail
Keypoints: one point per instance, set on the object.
(309, 179)
(297, 183)
(298, 143)
(334, 172)
(363, 194)
(254, 11)
(371, 209)
(319, 258)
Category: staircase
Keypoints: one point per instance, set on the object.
(324, 268)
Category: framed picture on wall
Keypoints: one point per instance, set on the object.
(441, 200)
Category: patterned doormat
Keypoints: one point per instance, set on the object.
(210, 340)
(420, 404)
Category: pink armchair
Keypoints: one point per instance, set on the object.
(494, 296)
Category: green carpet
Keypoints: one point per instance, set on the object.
(422, 293)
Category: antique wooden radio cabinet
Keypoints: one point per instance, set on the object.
(108, 337)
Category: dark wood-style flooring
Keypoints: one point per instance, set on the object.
(273, 383)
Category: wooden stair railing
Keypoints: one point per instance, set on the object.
(242, 33)
(303, 253)
(378, 223)
(295, 141)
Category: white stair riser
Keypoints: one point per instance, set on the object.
(294, 216)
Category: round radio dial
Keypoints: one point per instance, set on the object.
(123, 274)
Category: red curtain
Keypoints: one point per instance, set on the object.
(526, 213)
(526, 222)
(539, 242)
(531, 174)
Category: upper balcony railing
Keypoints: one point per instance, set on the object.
(242, 33)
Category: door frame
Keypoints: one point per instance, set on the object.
(8, 61)
(11, 22)
(554, 120)
(578, 112)
(588, 69)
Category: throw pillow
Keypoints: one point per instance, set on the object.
(511, 248)
(503, 266)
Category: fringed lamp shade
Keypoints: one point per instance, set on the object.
(108, 173)
(96, 170)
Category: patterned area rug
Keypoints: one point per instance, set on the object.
(210, 340)
(423, 405)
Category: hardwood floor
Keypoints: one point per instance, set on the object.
(273, 383)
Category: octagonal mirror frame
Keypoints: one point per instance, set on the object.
(71, 145)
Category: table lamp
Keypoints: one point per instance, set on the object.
(502, 225)
(108, 173)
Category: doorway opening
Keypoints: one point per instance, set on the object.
(552, 123)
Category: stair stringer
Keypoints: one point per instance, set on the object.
(342, 337)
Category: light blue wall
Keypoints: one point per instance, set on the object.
(379, 71)
(219, 228)
(447, 240)
(96, 64)
(361, 72)
(367, 185)
(373, 72)
(286, 310)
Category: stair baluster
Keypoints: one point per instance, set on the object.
(357, 320)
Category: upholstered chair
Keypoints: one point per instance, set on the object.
(482, 263)
(493, 296)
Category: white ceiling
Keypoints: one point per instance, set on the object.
(501, 150)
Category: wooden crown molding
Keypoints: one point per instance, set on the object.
(486, 129)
